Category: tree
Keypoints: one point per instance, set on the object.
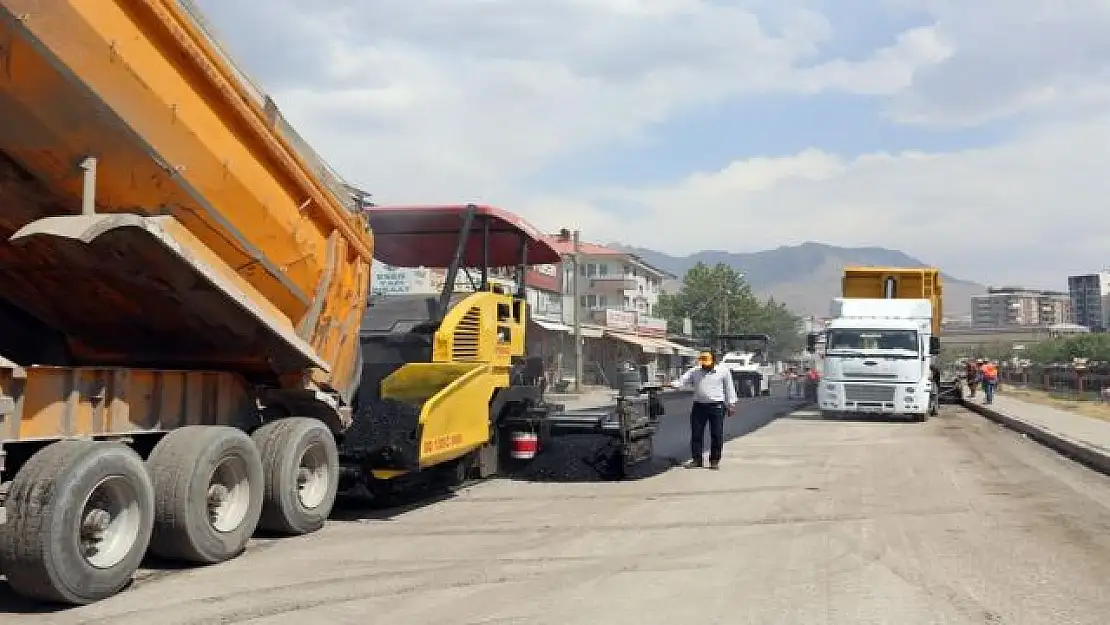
(1064, 349)
(719, 301)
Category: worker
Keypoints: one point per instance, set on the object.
(793, 385)
(714, 397)
(934, 398)
(989, 374)
(972, 370)
(812, 377)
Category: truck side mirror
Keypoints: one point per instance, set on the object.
(934, 345)
(811, 343)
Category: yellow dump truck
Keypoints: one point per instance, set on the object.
(880, 343)
(897, 283)
(182, 287)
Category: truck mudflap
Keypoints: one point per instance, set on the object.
(626, 432)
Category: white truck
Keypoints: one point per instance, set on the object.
(877, 358)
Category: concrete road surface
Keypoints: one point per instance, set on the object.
(808, 522)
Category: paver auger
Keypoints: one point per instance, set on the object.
(446, 387)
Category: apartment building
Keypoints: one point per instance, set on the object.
(618, 301)
(1090, 300)
(1016, 306)
(615, 288)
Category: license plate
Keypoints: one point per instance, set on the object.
(870, 409)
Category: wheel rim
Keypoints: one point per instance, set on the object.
(110, 522)
(229, 494)
(313, 479)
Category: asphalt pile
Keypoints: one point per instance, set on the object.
(579, 458)
(384, 430)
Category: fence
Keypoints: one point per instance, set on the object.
(1066, 383)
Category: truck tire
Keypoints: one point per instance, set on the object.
(300, 463)
(79, 522)
(208, 493)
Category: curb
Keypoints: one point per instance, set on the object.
(1083, 453)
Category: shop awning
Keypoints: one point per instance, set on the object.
(553, 326)
(591, 332)
(649, 346)
(679, 349)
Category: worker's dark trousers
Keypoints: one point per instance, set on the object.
(701, 415)
(988, 390)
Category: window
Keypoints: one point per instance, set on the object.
(603, 301)
(603, 269)
(591, 270)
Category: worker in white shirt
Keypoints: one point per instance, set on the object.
(714, 397)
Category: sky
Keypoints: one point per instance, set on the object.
(972, 135)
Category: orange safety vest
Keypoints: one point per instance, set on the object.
(990, 372)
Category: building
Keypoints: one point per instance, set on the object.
(1090, 300)
(618, 300)
(1015, 306)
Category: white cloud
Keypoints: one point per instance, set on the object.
(1022, 212)
(452, 100)
(1010, 57)
(439, 99)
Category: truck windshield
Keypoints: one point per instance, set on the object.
(855, 340)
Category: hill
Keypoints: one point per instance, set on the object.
(805, 277)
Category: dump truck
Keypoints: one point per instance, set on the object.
(880, 343)
(184, 286)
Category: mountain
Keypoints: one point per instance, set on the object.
(806, 277)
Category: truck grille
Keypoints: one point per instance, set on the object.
(465, 342)
(869, 393)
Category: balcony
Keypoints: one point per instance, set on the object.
(609, 284)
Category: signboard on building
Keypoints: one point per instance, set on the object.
(620, 320)
(389, 280)
(651, 326)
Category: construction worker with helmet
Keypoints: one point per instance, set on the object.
(714, 398)
(989, 374)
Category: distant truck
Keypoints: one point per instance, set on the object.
(881, 342)
(745, 357)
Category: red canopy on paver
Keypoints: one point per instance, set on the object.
(428, 236)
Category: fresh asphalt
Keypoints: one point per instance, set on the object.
(672, 442)
(572, 459)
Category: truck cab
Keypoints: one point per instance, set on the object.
(878, 354)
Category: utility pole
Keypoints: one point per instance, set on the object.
(578, 368)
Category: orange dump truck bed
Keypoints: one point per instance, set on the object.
(905, 282)
(205, 233)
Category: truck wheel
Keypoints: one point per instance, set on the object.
(208, 493)
(79, 522)
(301, 465)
